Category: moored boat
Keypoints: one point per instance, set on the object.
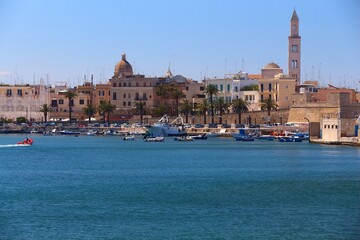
(183, 139)
(200, 137)
(154, 139)
(164, 128)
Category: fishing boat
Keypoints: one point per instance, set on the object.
(68, 132)
(163, 127)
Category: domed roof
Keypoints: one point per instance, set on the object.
(123, 68)
(271, 65)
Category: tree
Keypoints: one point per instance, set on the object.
(140, 107)
(161, 110)
(211, 90)
(204, 107)
(186, 107)
(240, 106)
(105, 108)
(269, 104)
(221, 106)
(176, 94)
(45, 109)
(161, 91)
(90, 111)
(70, 96)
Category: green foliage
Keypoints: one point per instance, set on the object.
(21, 120)
(250, 88)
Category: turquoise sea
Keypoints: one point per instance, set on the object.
(66, 187)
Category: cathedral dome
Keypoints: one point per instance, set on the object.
(271, 65)
(123, 68)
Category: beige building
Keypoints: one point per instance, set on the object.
(23, 101)
(275, 85)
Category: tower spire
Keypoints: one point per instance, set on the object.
(294, 49)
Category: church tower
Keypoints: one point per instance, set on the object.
(294, 63)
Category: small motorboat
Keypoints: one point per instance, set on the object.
(200, 137)
(129, 138)
(184, 138)
(27, 141)
(154, 139)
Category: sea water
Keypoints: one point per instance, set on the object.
(92, 187)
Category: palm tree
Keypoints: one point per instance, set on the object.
(45, 109)
(239, 106)
(211, 90)
(105, 109)
(221, 106)
(161, 91)
(176, 94)
(90, 111)
(140, 106)
(186, 107)
(161, 110)
(204, 107)
(70, 96)
(269, 104)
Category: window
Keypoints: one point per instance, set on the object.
(81, 102)
(129, 95)
(129, 104)
(119, 84)
(114, 96)
(8, 92)
(124, 104)
(221, 88)
(294, 27)
(262, 87)
(144, 84)
(294, 48)
(124, 84)
(144, 96)
(228, 88)
(137, 96)
(19, 92)
(236, 89)
(202, 88)
(61, 101)
(114, 84)
(53, 103)
(269, 86)
(262, 98)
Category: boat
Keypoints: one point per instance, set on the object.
(183, 139)
(200, 137)
(290, 139)
(154, 139)
(164, 128)
(27, 141)
(91, 133)
(213, 134)
(129, 138)
(244, 138)
(67, 132)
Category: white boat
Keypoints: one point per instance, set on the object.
(154, 139)
(164, 128)
(129, 138)
(184, 138)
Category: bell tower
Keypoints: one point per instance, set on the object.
(294, 62)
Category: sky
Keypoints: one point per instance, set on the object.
(62, 41)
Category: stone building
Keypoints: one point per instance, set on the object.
(275, 85)
(23, 101)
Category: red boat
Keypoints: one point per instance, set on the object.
(27, 141)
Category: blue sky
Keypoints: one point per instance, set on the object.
(67, 39)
